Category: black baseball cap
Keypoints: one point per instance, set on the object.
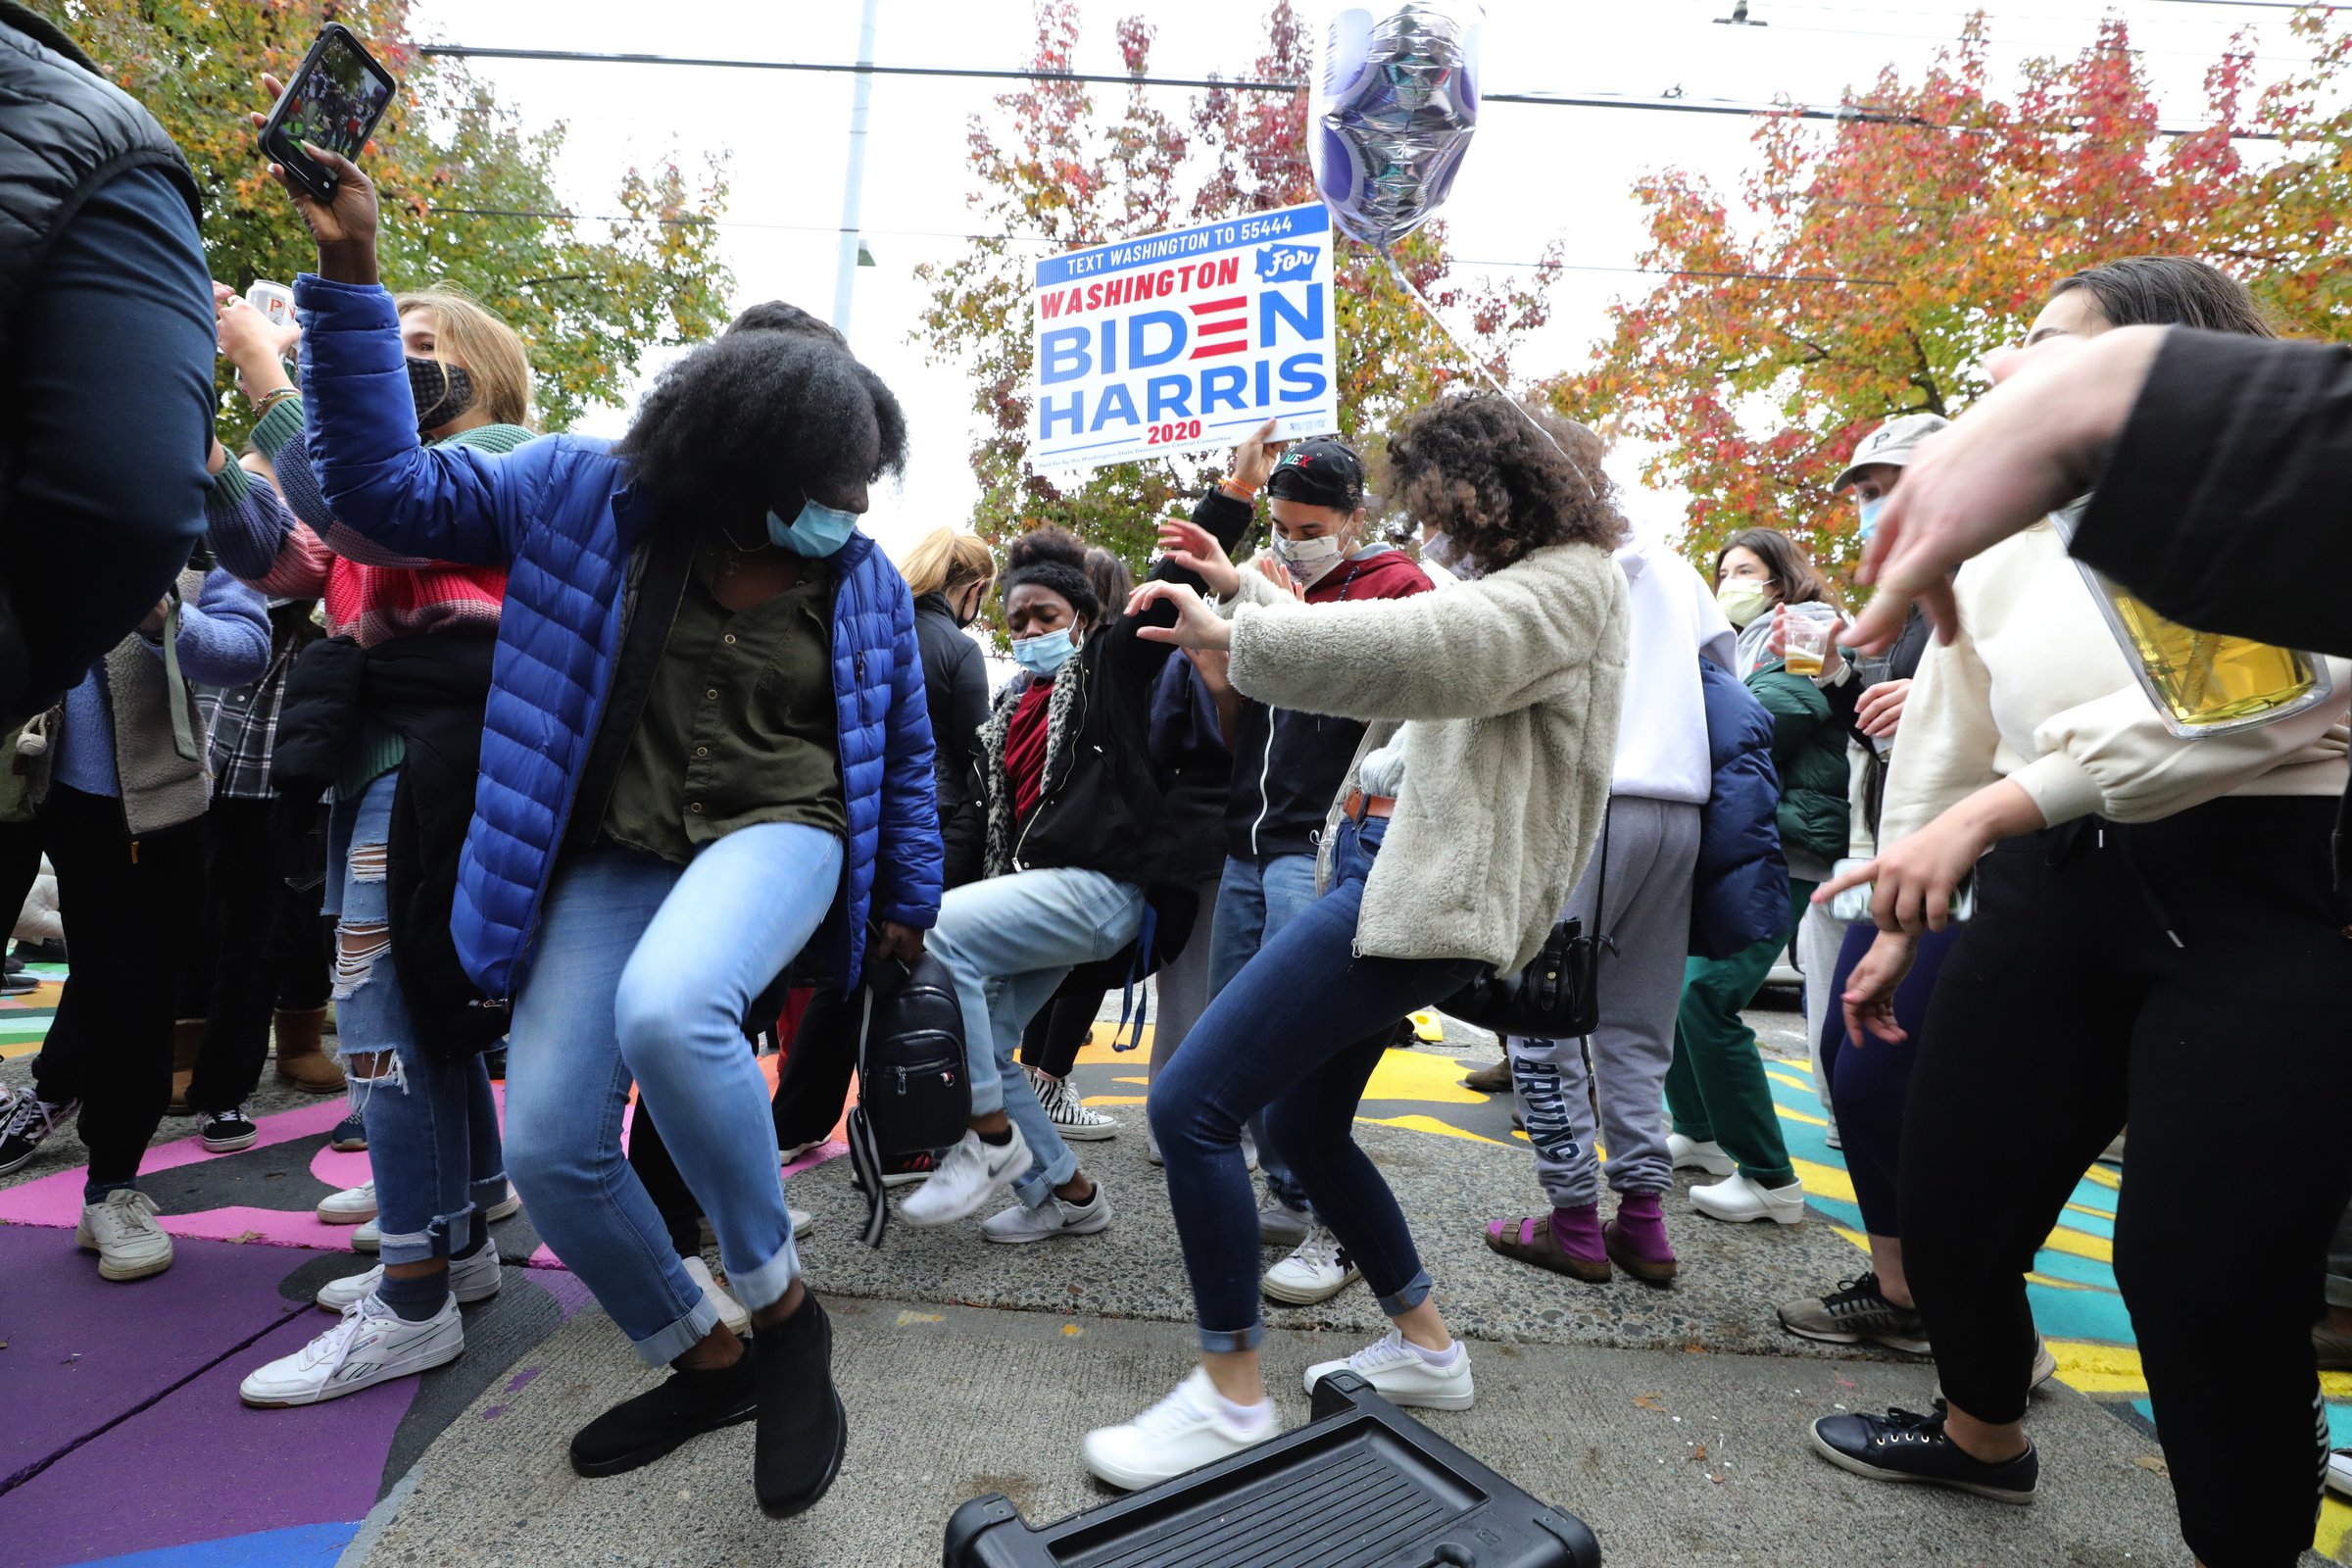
(1320, 471)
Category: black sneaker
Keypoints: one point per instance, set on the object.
(803, 1429)
(1901, 1446)
(17, 983)
(227, 1131)
(30, 1121)
(350, 1135)
(1853, 1312)
(637, 1431)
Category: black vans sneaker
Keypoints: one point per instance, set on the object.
(227, 1131)
(30, 1120)
(1901, 1446)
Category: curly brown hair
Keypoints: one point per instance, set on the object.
(1476, 468)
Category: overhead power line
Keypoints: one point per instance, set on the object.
(1675, 106)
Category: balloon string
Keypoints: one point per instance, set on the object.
(1388, 253)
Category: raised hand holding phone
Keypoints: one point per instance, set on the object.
(343, 225)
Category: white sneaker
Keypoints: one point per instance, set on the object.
(368, 1237)
(1280, 1225)
(972, 1173)
(1054, 1217)
(504, 1208)
(1691, 1154)
(803, 1222)
(1317, 1270)
(351, 1207)
(1831, 1138)
(2339, 1472)
(1070, 1116)
(1402, 1375)
(472, 1280)
(122, 1232)
(730, 1310)
(1185, 1431)
(372, 1345)
(1737, 1200)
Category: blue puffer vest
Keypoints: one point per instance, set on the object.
(557, 514)
(1739, 893)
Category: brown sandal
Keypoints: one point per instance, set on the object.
(1531, 1240)
(1648, 1270)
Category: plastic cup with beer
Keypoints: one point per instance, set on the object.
(1808, 644)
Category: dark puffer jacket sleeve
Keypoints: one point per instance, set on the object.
(1740, 882)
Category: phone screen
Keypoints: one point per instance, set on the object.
(336, 102)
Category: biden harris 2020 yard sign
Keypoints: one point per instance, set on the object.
(1188, 339)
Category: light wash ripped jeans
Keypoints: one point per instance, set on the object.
(644, 971)
(432, 1125)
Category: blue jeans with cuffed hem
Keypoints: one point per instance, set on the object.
(1296, 1034)
(432, 1123)
(1010, 942)
(644, 971)
(1255, 902)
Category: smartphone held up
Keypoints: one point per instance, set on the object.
(333, 101)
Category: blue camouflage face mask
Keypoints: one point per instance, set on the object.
(818, 531)
(1870, 510)
(1044, 654)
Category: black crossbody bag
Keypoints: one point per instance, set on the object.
(1556, 997)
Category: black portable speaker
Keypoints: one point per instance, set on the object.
(1361, 1485)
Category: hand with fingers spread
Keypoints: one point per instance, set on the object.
(1195, 550)
(344, 226)
(1197, 626)
(1275, 572)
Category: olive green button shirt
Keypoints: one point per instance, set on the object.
(739, 725)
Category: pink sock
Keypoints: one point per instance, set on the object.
(1578, 1231)
(1642, 1228)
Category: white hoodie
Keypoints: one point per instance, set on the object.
(1673, 620)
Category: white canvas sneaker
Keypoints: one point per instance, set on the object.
(505, 1207)
(353, 1206)
(122, 1232)
(1739, 1200)
(1280, 1225)
(1402, 1376)
(1054, 1217)
(1182, 1432)
(972, 1173)
(470, 1280)
(1689, 1155)
(730, 1310)
(1317, 1270)
(372, 1345)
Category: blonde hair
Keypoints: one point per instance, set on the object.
(946, 559)
(485, 345)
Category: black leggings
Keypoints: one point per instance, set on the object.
(2067, 1009)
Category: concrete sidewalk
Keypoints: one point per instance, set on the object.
(1677, 1460)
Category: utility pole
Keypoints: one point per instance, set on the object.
(854, 253)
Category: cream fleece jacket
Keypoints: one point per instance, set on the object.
(1506, 690)
(2035, 689)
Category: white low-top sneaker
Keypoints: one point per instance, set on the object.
(1054, 1217)
(1316, 1271)
(2339, 1472)
(505, 1209)
(972, 1173)
(730, 1310)
(803, 1222)
(1182, 1432)
(368, 1237)
(353, 1206)
(122, 1232)
(1737, 1200)
(1076, 1121)
(1688, 1153)
(470, 1280)
(1280, 1225)
(1402, 1375)
(372, 1345)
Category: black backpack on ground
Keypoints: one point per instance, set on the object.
(914, 1091)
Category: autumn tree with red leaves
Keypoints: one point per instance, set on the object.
(1868, 266)
(1048, 166)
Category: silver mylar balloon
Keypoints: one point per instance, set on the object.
(1395, 103)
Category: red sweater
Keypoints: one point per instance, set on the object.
(1025, 748)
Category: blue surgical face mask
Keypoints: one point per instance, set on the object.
(818, 531)
(1044, 654)
(1870, 508)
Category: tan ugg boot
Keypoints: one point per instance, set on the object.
(187, 1042)
(301, 1059)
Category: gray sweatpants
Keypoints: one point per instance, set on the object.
(1652, 848)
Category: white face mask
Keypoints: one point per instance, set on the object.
(1307, 560)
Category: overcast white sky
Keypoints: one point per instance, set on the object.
(1533, 176)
